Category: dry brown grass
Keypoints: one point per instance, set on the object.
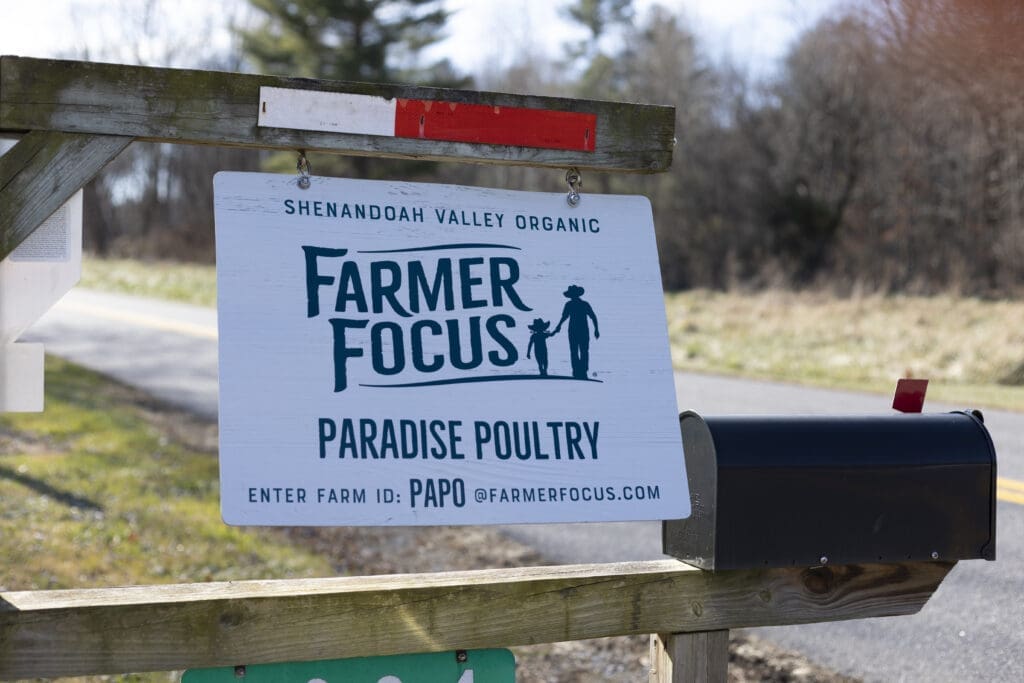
(971, 350)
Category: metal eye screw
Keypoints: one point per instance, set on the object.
(575, 182)
(305, 169)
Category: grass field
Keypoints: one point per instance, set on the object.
(190, 283)
(971, 350)
(106, 489)
(101, 490)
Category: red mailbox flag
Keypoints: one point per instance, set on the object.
(909, 396)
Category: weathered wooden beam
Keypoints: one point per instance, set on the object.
(690, 657)
(208, 107)
(147, 628)
(41, 172)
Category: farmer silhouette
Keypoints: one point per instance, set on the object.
(577, 311)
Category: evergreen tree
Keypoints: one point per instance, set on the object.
(347, 40)
(599, 76)
(375, 41)
(598, 15)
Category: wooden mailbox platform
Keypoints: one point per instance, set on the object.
(147, 628)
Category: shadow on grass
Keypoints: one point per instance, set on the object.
(64, 497)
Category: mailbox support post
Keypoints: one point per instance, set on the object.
(690, 657)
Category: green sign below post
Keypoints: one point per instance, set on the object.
(462, 666)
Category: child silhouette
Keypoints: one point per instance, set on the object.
(539, 343)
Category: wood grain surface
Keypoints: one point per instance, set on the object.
(220, 108)
(701, 657)
(150, 628)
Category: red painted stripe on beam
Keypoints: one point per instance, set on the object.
(513, 126)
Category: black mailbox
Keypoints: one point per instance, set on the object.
(807, 491)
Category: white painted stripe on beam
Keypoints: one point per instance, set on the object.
(329, 112)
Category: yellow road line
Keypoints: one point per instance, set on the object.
(1010, 497)
(1012, 485)
(1010, 490)
(190, 329)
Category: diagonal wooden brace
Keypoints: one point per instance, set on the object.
(41, 172)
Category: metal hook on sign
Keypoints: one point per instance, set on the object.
(305, 169)
(575, 182)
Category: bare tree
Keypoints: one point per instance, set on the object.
(155, 200)
(967, 57)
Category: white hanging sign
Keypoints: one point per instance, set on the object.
(399, 353)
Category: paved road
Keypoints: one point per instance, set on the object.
(167, 349)
(973, 629)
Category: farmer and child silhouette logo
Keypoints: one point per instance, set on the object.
(393, 349)
(578, 313)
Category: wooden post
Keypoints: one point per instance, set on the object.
(701, 657)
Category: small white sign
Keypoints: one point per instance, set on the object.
(399, 353)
